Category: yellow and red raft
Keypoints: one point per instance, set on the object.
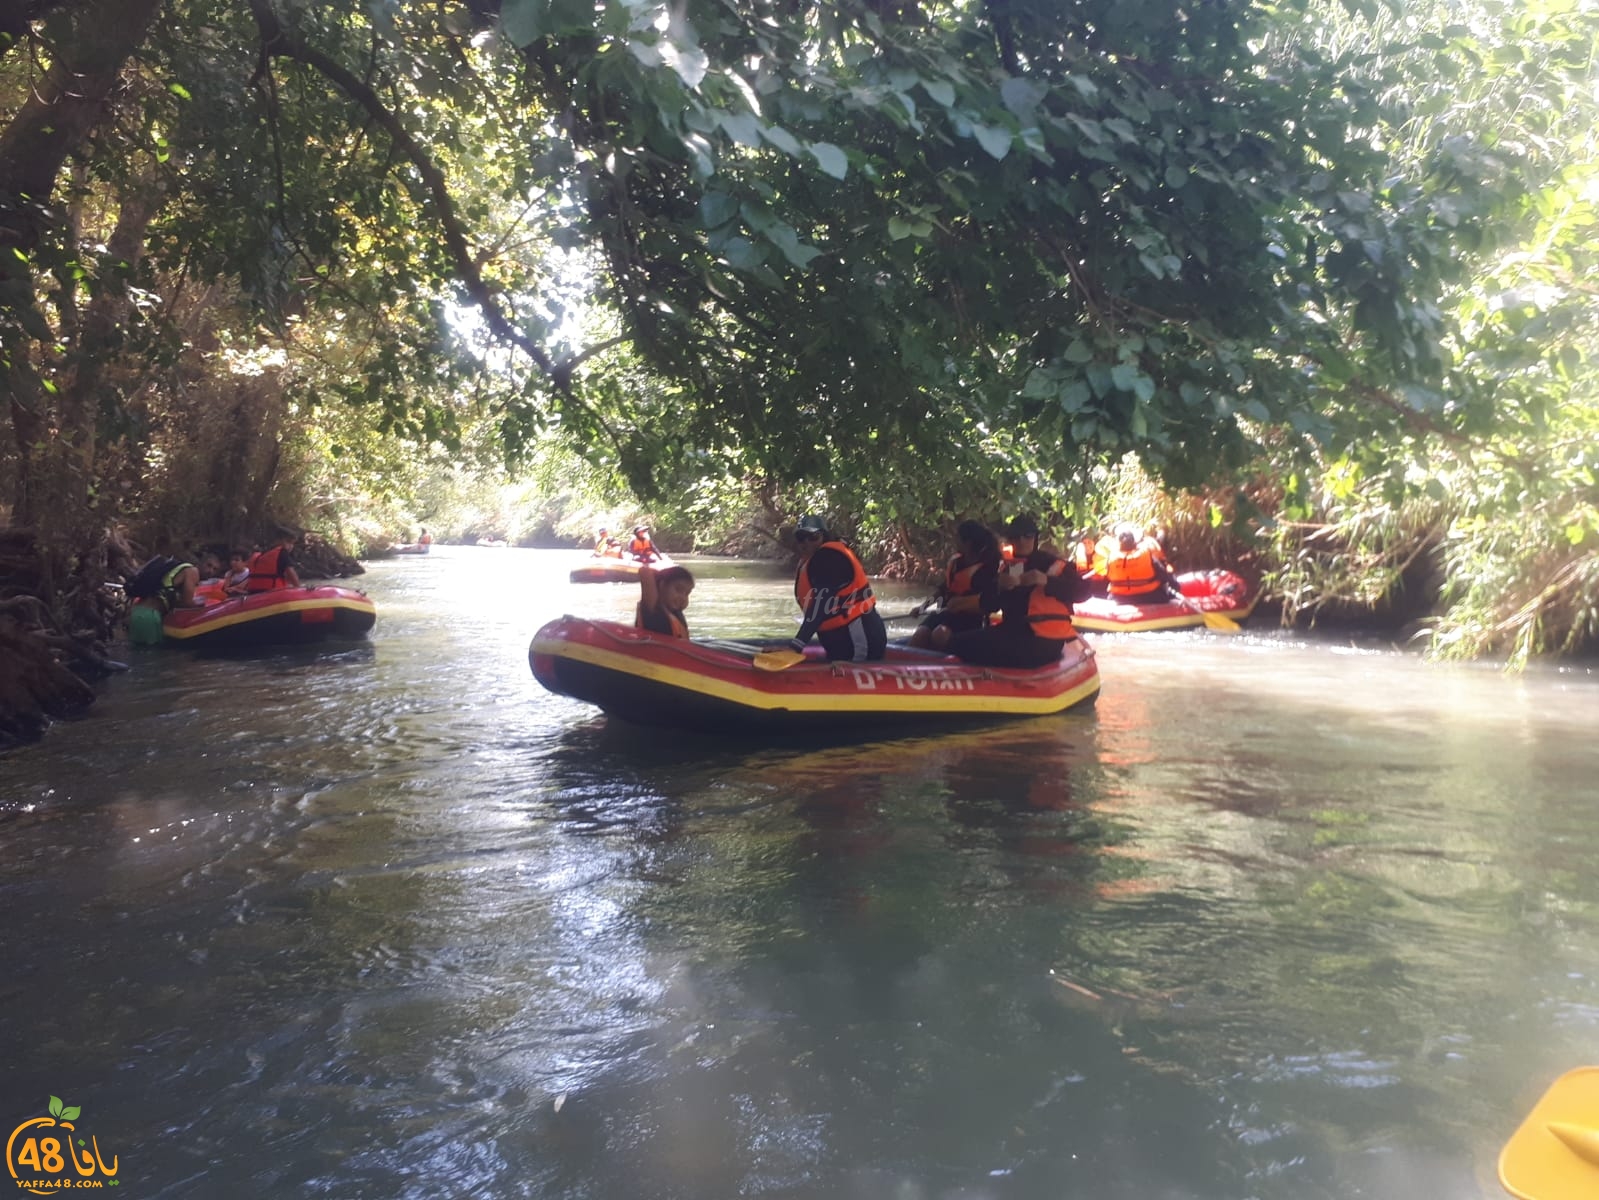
(286, 616)
(1221, 592)
(713, 685)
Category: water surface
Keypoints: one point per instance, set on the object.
(1279, 919)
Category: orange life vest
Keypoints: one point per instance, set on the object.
(1047, 616)
(849, 605)
(1083, 555)
(1132, 572)
(675, 620)
(641, 547)
(958, 579)
(265, 574)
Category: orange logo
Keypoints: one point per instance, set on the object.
(43, 1162)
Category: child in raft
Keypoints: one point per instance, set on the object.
(664, 596)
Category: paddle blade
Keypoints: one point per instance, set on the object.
(1555, 1153)
(777, 660)
(1221, 623)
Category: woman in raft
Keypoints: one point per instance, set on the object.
(663, 597)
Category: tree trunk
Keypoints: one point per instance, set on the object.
(91, 45)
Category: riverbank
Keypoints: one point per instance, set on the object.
(64, 635)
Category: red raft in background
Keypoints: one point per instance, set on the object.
(610, 569)
(1219, 592)
(286, 616)
(713, 686)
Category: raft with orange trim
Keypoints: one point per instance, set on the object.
(608, 569)
(713, 686)
(286, 616)
(1206, 591)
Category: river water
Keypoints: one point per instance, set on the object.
(1280, 919)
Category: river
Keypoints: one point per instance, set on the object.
(1281, 919)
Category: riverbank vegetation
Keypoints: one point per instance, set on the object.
(1313, 284)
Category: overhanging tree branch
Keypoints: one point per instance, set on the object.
(279, 42)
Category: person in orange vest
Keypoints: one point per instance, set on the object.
(835, 598)
(663, 597)
(642, 547)
(1136, 573)
(1035, 605)
(971, 575)
(274, 568)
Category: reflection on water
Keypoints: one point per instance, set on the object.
(1278, 920)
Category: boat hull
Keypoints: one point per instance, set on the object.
(285, 617)
(714, 686)
(615, 570)
(1220, 592)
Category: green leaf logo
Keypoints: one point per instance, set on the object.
(55, 1106)
(70, 1114)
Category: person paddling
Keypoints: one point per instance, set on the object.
(836, 602)
(971, 575)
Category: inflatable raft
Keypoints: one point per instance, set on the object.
(1206, 592)
(286, 616)
(713, 686)
(606, 569)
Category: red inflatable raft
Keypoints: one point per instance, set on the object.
(713, 686)
(282, 617)
(1207, 592)
(607, 569)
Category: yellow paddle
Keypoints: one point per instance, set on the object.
(1220, 622)
(1555, 1153)
(777, 660)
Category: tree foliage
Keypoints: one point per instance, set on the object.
(908, 257)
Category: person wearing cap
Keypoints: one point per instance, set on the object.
(836, 602)
(1136, 573)
(606, 546)
(1034, 600)
(971, 576)
(642, 547)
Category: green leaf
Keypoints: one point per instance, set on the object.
(940, 90)
(782, 139)
(1176, 177)
(1122, 128)
(742, 254)
(524, 21)
(1078, 352)
(688, 61)
(717, 209)
(1021, 96)
(70, 1113)
(178, 90)
(743, 128)
(993, 139)
(55, 1106)
(831, 159)
(785, 239)
(901, 227)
